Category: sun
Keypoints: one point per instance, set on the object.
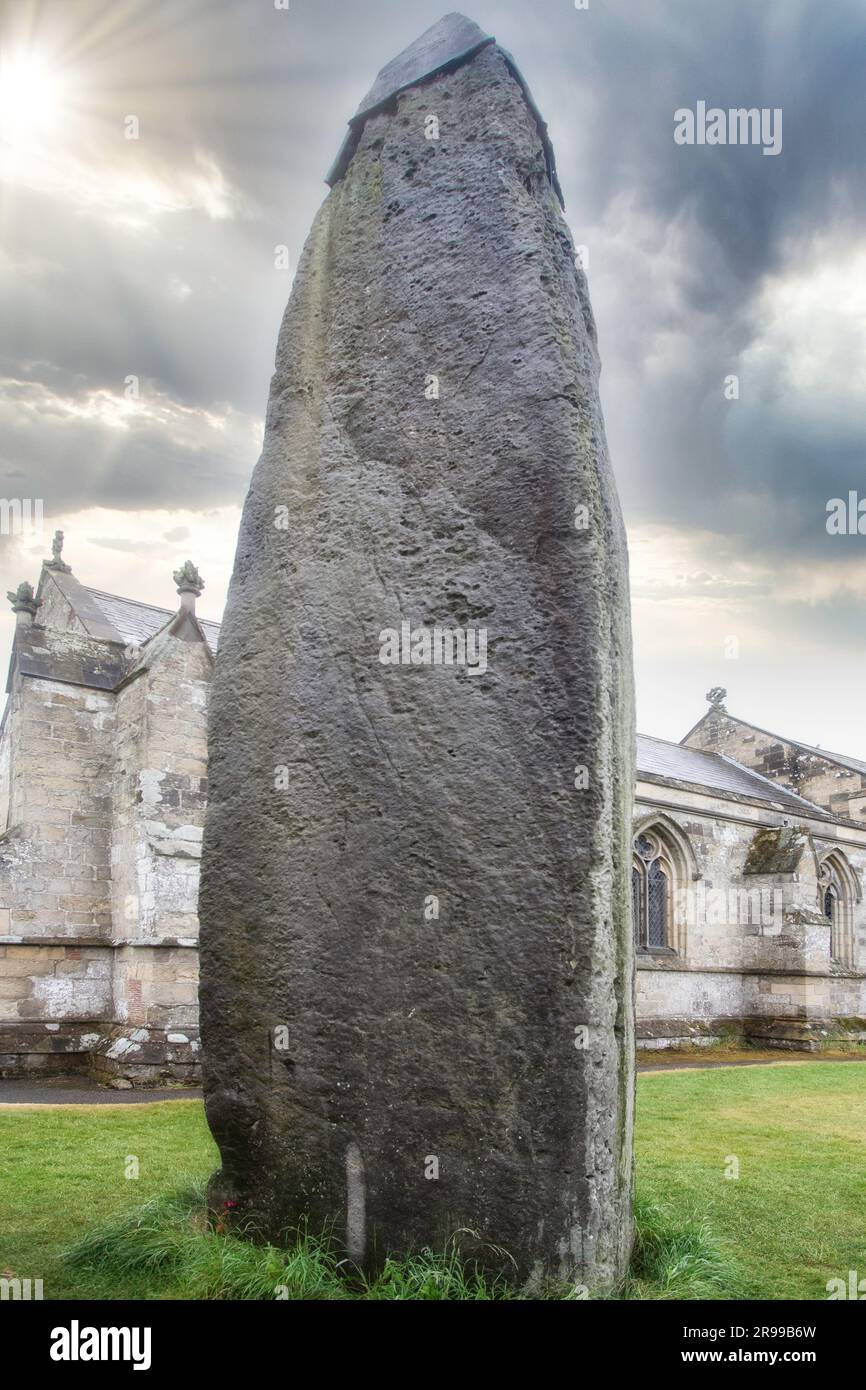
(31, 94)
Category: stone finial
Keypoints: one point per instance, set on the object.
(716, 697)
(189, 585)
(56, 562)
(188, 579)
(25, 605)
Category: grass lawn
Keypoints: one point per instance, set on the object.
(794, 1218)
(62, 1172)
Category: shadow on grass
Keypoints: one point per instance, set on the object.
(172, 1242)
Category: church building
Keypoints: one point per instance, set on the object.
(103, 784)
(749, 854)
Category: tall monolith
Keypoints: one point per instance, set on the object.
(416, 951)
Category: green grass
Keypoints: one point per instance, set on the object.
(796, 1215)
(677, 1256)
(170, 1240)
(62, 1172)
(794, 1218)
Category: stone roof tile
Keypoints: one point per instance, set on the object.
(137, 622)
(716, 772)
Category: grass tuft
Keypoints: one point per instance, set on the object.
(171, 1238)
(430, 1275)
(677, 1261)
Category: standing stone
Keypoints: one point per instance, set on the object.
(416, 945)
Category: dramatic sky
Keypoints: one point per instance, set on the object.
(154, 258)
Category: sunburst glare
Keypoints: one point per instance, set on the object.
(31, 96)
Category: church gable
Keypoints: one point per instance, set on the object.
(833, 781)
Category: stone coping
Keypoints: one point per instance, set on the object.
(680, 968)
(184, 943)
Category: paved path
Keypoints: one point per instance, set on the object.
(790, 1061)
(79, 1092)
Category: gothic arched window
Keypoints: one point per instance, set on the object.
(834, 905)
(652, 884)
(834, 886)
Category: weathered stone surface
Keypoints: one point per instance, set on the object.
(413, 1037)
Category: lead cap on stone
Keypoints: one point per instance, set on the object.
(452, 41)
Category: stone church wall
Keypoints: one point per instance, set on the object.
(754, 959)
(160, 791)
(99, 862)
(54, 857)
(54, 868)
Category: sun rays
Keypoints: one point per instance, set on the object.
(32, 90)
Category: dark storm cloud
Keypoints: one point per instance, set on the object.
(648, 60)
(759, 470)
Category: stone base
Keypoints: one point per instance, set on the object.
(804, 1034)
(792, 1034)
(658, 1033)
(147, 1055)
(109, 1051)
(47, 1048)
